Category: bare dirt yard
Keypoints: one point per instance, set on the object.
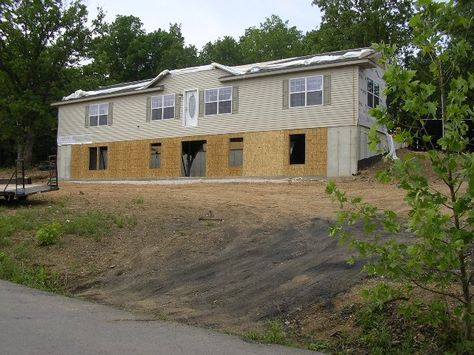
(224, 256)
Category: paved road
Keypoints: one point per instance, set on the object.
(36, 322)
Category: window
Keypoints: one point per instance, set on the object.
(373, 93)
(236, 151)
(162, 107)
(297, 148)
(218, 101)
(98, 114)
(100, 155)
(155, 155)
(93, 158)
(306, 91)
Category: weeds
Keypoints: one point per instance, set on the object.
(48, 234)
(23, 250)
(274, 334)
(37, 277)
(93, 224)
(139, 200)
(122, 221)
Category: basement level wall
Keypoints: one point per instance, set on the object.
(264, 154)
(260, 108)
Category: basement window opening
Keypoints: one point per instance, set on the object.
(236, 151)
(155, 155)
(98, 155)
(297, 148)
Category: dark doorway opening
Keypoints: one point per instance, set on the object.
(297, 148)
(193, 158)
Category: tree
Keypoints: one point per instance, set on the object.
(123, 51)
(439, 257)
(352, 24)
(224, 51)
(274, 39)
(38, 41)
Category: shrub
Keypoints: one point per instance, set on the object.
(48, 234)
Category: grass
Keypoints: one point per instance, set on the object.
(89, 224)
(37, 277)
(45, 225)
(274, 334)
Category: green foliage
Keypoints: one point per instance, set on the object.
(353, 24)
(438, 256)
(123, 51)
(123, 221)
(38, 41)
(48, 234)
(274, 39)
(224, 51)
(274, 334)
(93, 224)
(38, 277)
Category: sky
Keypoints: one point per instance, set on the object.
(207, 20)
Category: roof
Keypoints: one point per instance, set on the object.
(233, 72)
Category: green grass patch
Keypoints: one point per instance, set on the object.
(274, 334)
(37, 277)
(95, 224)
(123, 221)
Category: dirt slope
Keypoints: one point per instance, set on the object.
(224, 256)
(242, 276)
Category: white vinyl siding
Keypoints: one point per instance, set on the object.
(260, 109)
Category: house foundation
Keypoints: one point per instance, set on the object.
(295, 152)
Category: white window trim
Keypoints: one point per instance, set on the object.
(162, 98)
(98, 114)
(305, 91)
(210, 102)
(373, 93)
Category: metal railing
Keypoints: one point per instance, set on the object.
(21, 163)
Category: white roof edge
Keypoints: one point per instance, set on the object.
(238, 70)
(157, 78)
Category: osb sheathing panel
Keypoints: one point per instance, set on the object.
(265, 154)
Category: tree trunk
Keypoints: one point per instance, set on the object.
(25, 146)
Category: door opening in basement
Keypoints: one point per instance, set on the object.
(193, 158)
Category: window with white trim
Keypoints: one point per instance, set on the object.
(98, 114)
(373, 93)
(218, 101)
(307, 91)
(162, 107)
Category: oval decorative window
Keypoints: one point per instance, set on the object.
(192, 105)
